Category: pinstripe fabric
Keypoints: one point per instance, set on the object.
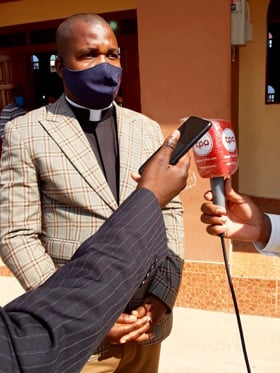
(55, 327)
(9, 112)
(54, 196)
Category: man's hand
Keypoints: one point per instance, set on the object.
(241, 220)
(154, 308)
(151, 309)
(137, 327)
(128, 328)
(164, 180)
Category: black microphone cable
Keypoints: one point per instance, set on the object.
(235, 303)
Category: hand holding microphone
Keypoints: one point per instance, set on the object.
(216, 156)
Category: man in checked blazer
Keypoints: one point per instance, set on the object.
(55, 327)
(66, 167)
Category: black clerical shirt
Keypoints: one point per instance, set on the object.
(102, 136)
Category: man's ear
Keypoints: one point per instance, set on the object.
(59, 66)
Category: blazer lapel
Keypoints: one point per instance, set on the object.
(65, 130)
(129, 137)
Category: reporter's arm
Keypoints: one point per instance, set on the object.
(57, 326)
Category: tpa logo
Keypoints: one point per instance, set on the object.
(204, 145)
(228, 140)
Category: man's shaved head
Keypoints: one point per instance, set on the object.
(65, 30)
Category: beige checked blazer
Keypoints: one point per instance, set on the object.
(53, 196)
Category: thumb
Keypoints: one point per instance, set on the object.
(230, 193)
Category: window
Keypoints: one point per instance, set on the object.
(114, 26)
(35, 62)
(270, 94)
(52, 63)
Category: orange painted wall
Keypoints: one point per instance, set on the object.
(184, 58)
(185, 62)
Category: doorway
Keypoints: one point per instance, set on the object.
(47, 84)
(34, 44)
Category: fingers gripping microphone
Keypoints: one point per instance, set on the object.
(216, 156)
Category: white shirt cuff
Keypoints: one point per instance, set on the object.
(273, 245)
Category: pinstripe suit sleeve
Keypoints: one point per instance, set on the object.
(56, 327)
(166, 282)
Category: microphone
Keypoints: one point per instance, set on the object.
(216, 156)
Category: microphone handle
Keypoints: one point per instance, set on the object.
(217, 187)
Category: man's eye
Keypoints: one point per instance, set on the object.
(89, 55)
(113, 56)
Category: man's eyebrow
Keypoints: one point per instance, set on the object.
(114, 50)
(96, 50)
(88, 49)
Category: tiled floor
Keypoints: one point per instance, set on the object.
(209, 342)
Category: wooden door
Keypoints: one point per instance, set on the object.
(6, 80)
(130, 87)
(14, 71)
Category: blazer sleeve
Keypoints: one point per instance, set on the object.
(57, 326)
(21, 248)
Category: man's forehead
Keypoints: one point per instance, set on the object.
(92, 31)
(93, 27)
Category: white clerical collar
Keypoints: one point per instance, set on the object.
(94, 115)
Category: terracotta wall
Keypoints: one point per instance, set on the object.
(184, 58)
(185, 62)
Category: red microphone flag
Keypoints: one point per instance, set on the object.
(216, 156)
(216, 153)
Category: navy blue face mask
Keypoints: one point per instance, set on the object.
(96, 87)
